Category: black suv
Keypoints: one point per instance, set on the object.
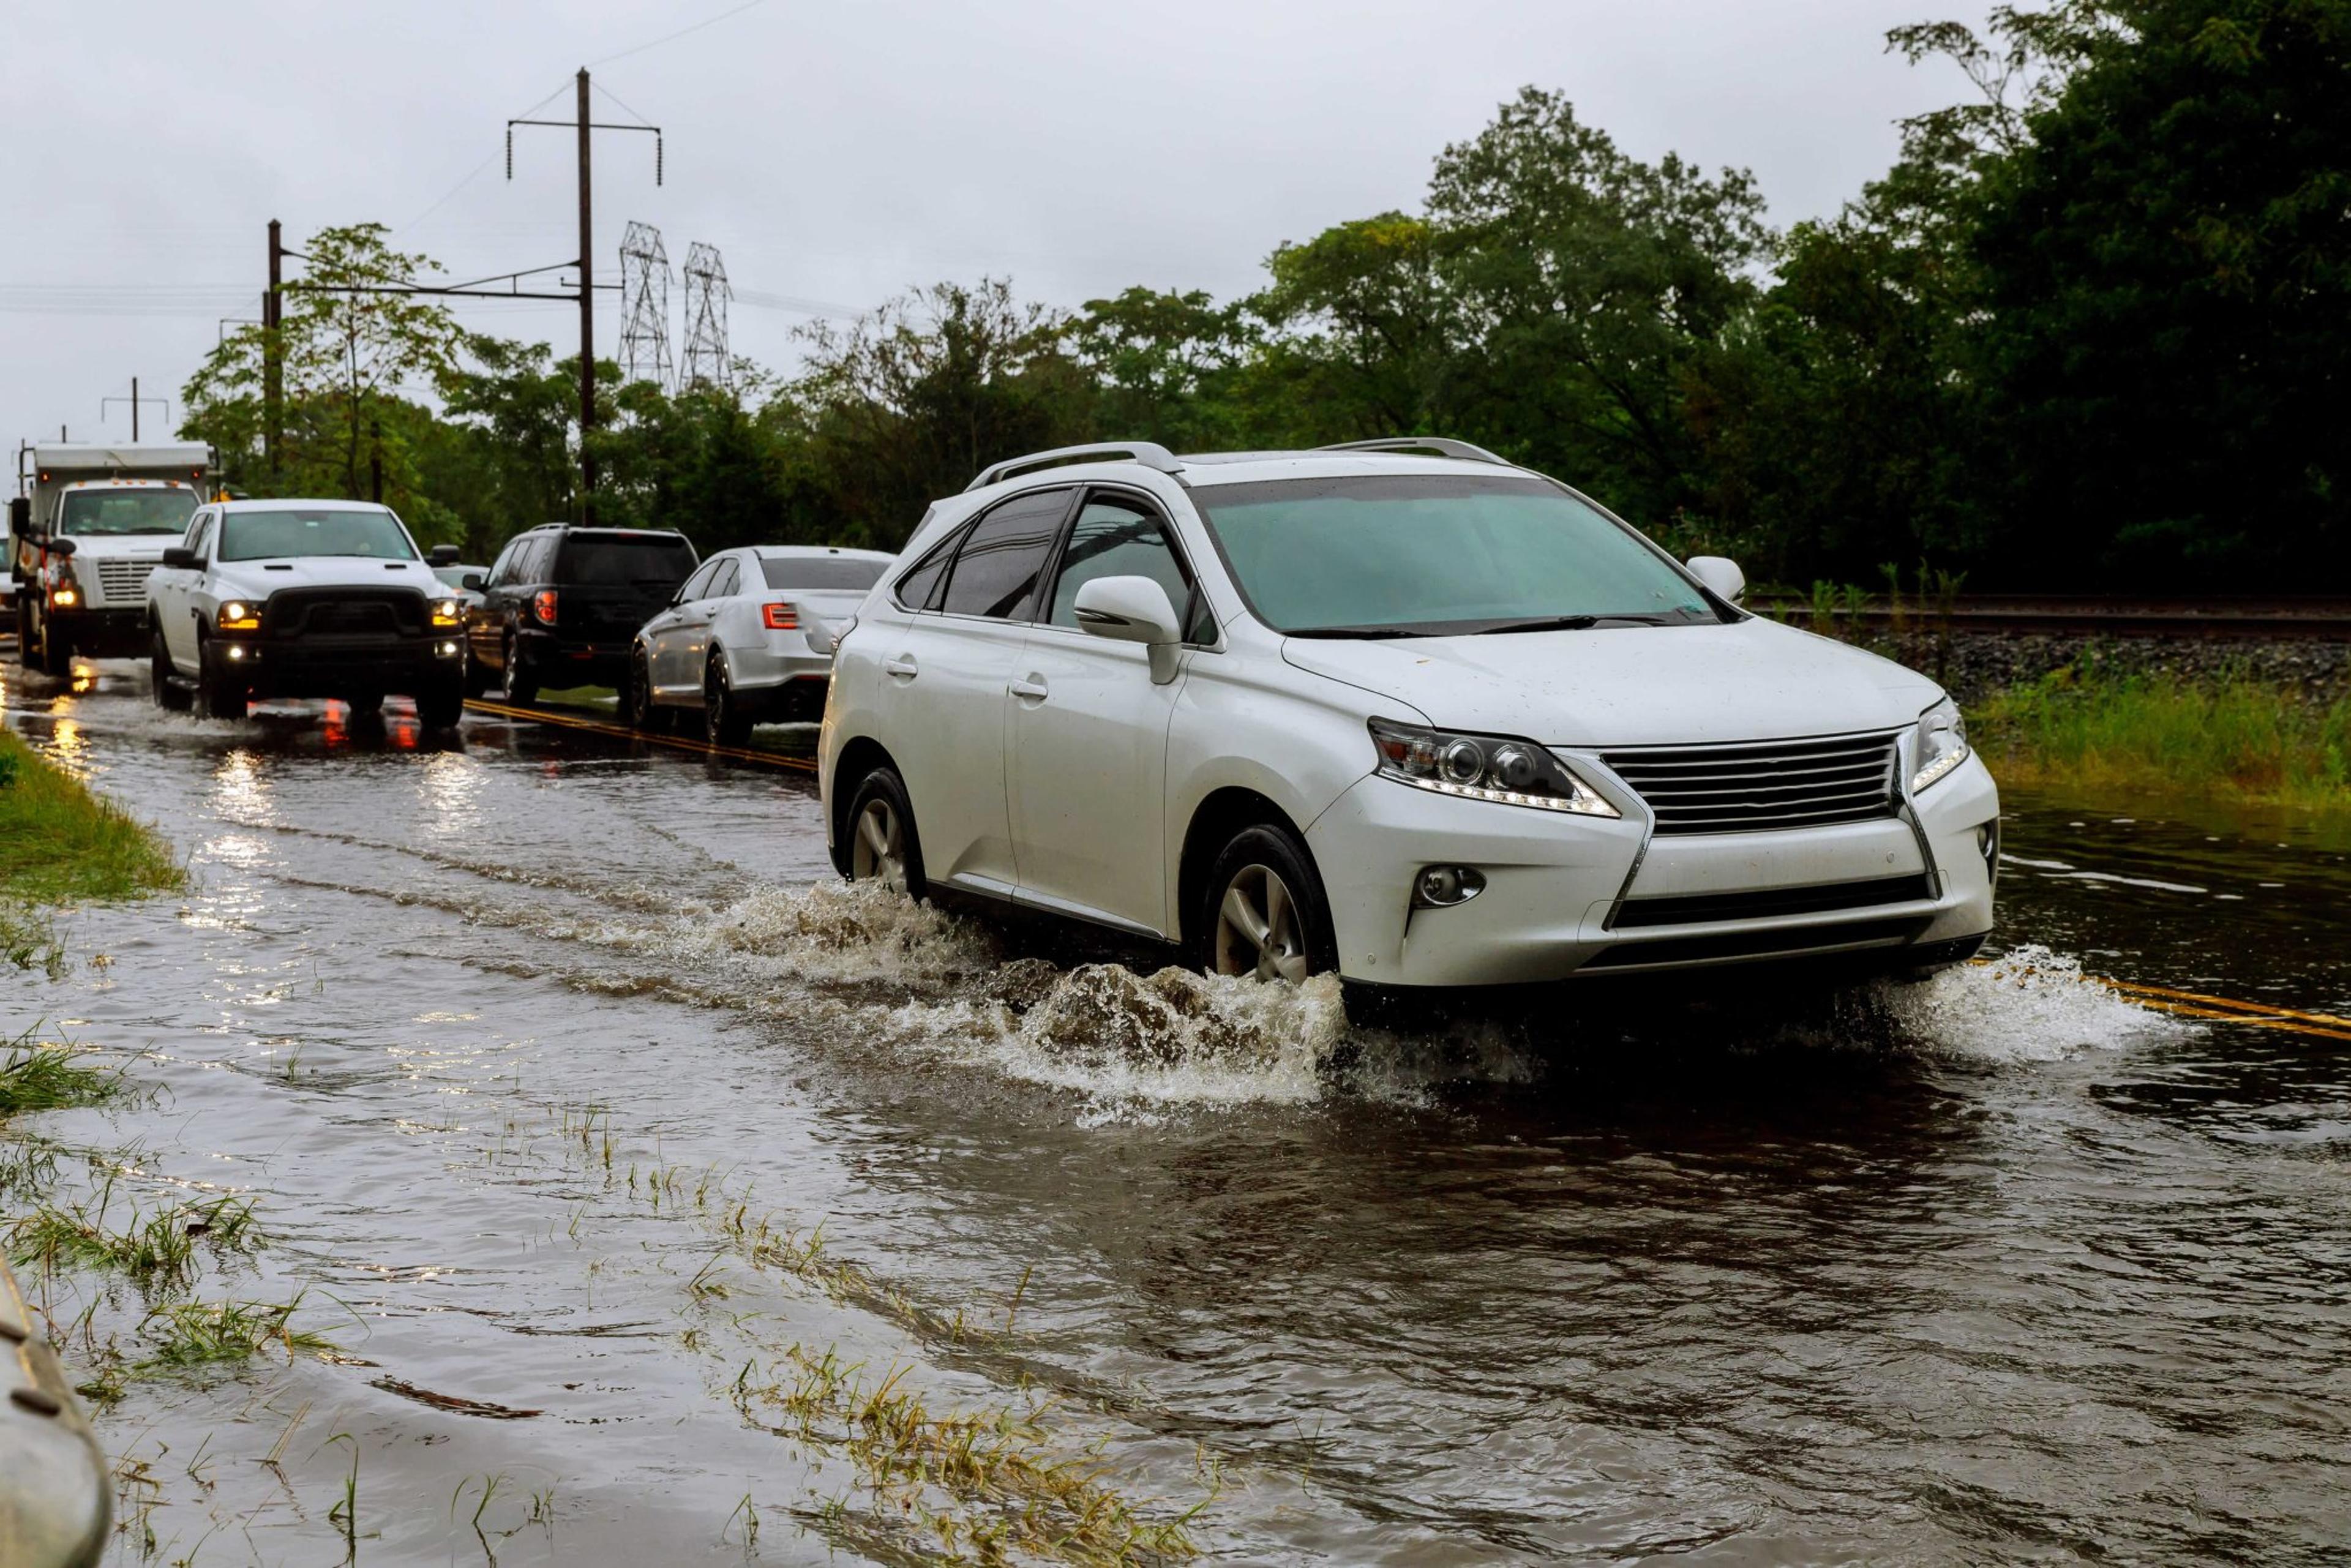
(561, 606)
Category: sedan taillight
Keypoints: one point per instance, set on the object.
(781, 617)
(542, 604)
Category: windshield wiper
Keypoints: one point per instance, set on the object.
(1367, 631)
(1580, 623)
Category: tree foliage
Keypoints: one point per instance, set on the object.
(2090, 329)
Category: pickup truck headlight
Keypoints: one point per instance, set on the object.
(1496, 768)
(1942, 744)
(446, 611)
(239, 615)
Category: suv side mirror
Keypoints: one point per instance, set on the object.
(1134, 610)
(182, 556)
(59, 544)
(473, 582)
(442, 555)
(1721, 574)
(20, 514)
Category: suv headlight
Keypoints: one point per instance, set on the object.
(1496, 768)
(239, 615)
(1942, 744)
(445, 611)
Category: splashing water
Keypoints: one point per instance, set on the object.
(2028, 1005)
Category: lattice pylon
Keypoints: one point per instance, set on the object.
(707, 361)
(644, 306)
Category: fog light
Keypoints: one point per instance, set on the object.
(236, 651)
(446, 650)
(1443, 886)
(1988, 846)
(64, 597)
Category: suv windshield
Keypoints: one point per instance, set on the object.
(625, 561)
(814, 572)
(299, 531)
(1438, 555)
(161, 510)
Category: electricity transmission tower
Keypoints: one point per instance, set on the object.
(644, 306)
(707, 361)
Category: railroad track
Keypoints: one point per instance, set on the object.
(2276, 618)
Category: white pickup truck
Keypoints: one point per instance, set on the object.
(88, 524)
(305, 599)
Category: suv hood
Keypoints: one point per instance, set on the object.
(1631, 685)
(260, 579)
(121, 546)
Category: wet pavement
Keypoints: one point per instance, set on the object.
(583, 1116)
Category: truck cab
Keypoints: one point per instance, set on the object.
(88, 526)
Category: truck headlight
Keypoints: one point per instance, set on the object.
(445, 611)
(1942, 744)
(237, 615)
(1496, 768)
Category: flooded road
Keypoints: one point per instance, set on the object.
(656, 1199)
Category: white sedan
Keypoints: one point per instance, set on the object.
(748, 639)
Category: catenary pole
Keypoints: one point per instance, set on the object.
(587, 322)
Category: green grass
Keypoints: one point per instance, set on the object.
(2234, 737)
(49, 1078)
(60, 844)
(203, 1333)
(156, 1249)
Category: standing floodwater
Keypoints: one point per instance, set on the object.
(643, 1197)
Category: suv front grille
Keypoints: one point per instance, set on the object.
(119, 582)
(1764, 784)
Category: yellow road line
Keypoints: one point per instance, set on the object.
(622, 732)
(2162, 998)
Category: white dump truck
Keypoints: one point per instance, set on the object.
(87, 524)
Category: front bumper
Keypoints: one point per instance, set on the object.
(293, 668)
(100, 634)
(1584, 896)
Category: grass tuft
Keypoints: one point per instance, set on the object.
(203, 1333)
(49, 1078)
(158, 1251)
(59, 843)
(2235, 737)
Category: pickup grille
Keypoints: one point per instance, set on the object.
(123, 581)
(1767, 784)
(344, 612)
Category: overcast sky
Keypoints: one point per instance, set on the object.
(835, 153)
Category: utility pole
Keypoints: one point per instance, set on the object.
(273, 352)
(587, 322)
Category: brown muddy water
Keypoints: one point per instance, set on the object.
(542, 1062)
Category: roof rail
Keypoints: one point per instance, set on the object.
(1150, 454)
(1445, 445)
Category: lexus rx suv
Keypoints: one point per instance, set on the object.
(1400, 710)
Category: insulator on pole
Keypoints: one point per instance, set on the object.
(657, 158)
(511, 153)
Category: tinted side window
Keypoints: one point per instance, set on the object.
(698, 585)
(1117, 539)
(200, 535)
(729, 577)
(995, 573)
(919, 589)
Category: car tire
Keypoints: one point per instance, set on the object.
(55, 654)
(722, 722)
(637, 709)
(1261, 910)
(522, 681)
(169, 694)
(442, 709)
(23, 631)
(882, 845)
(223, 694)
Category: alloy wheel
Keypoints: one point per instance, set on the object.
(879, 850)
(1259, 931)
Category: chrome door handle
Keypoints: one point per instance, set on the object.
(1030, 691)
(901, 665)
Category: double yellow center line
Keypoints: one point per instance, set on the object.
(2162, 998)
(622, 732)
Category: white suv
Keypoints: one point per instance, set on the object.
(1401, 710)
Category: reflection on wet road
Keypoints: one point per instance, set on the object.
(517, 1043)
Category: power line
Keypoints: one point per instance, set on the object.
(476, 172)
(682, 32)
